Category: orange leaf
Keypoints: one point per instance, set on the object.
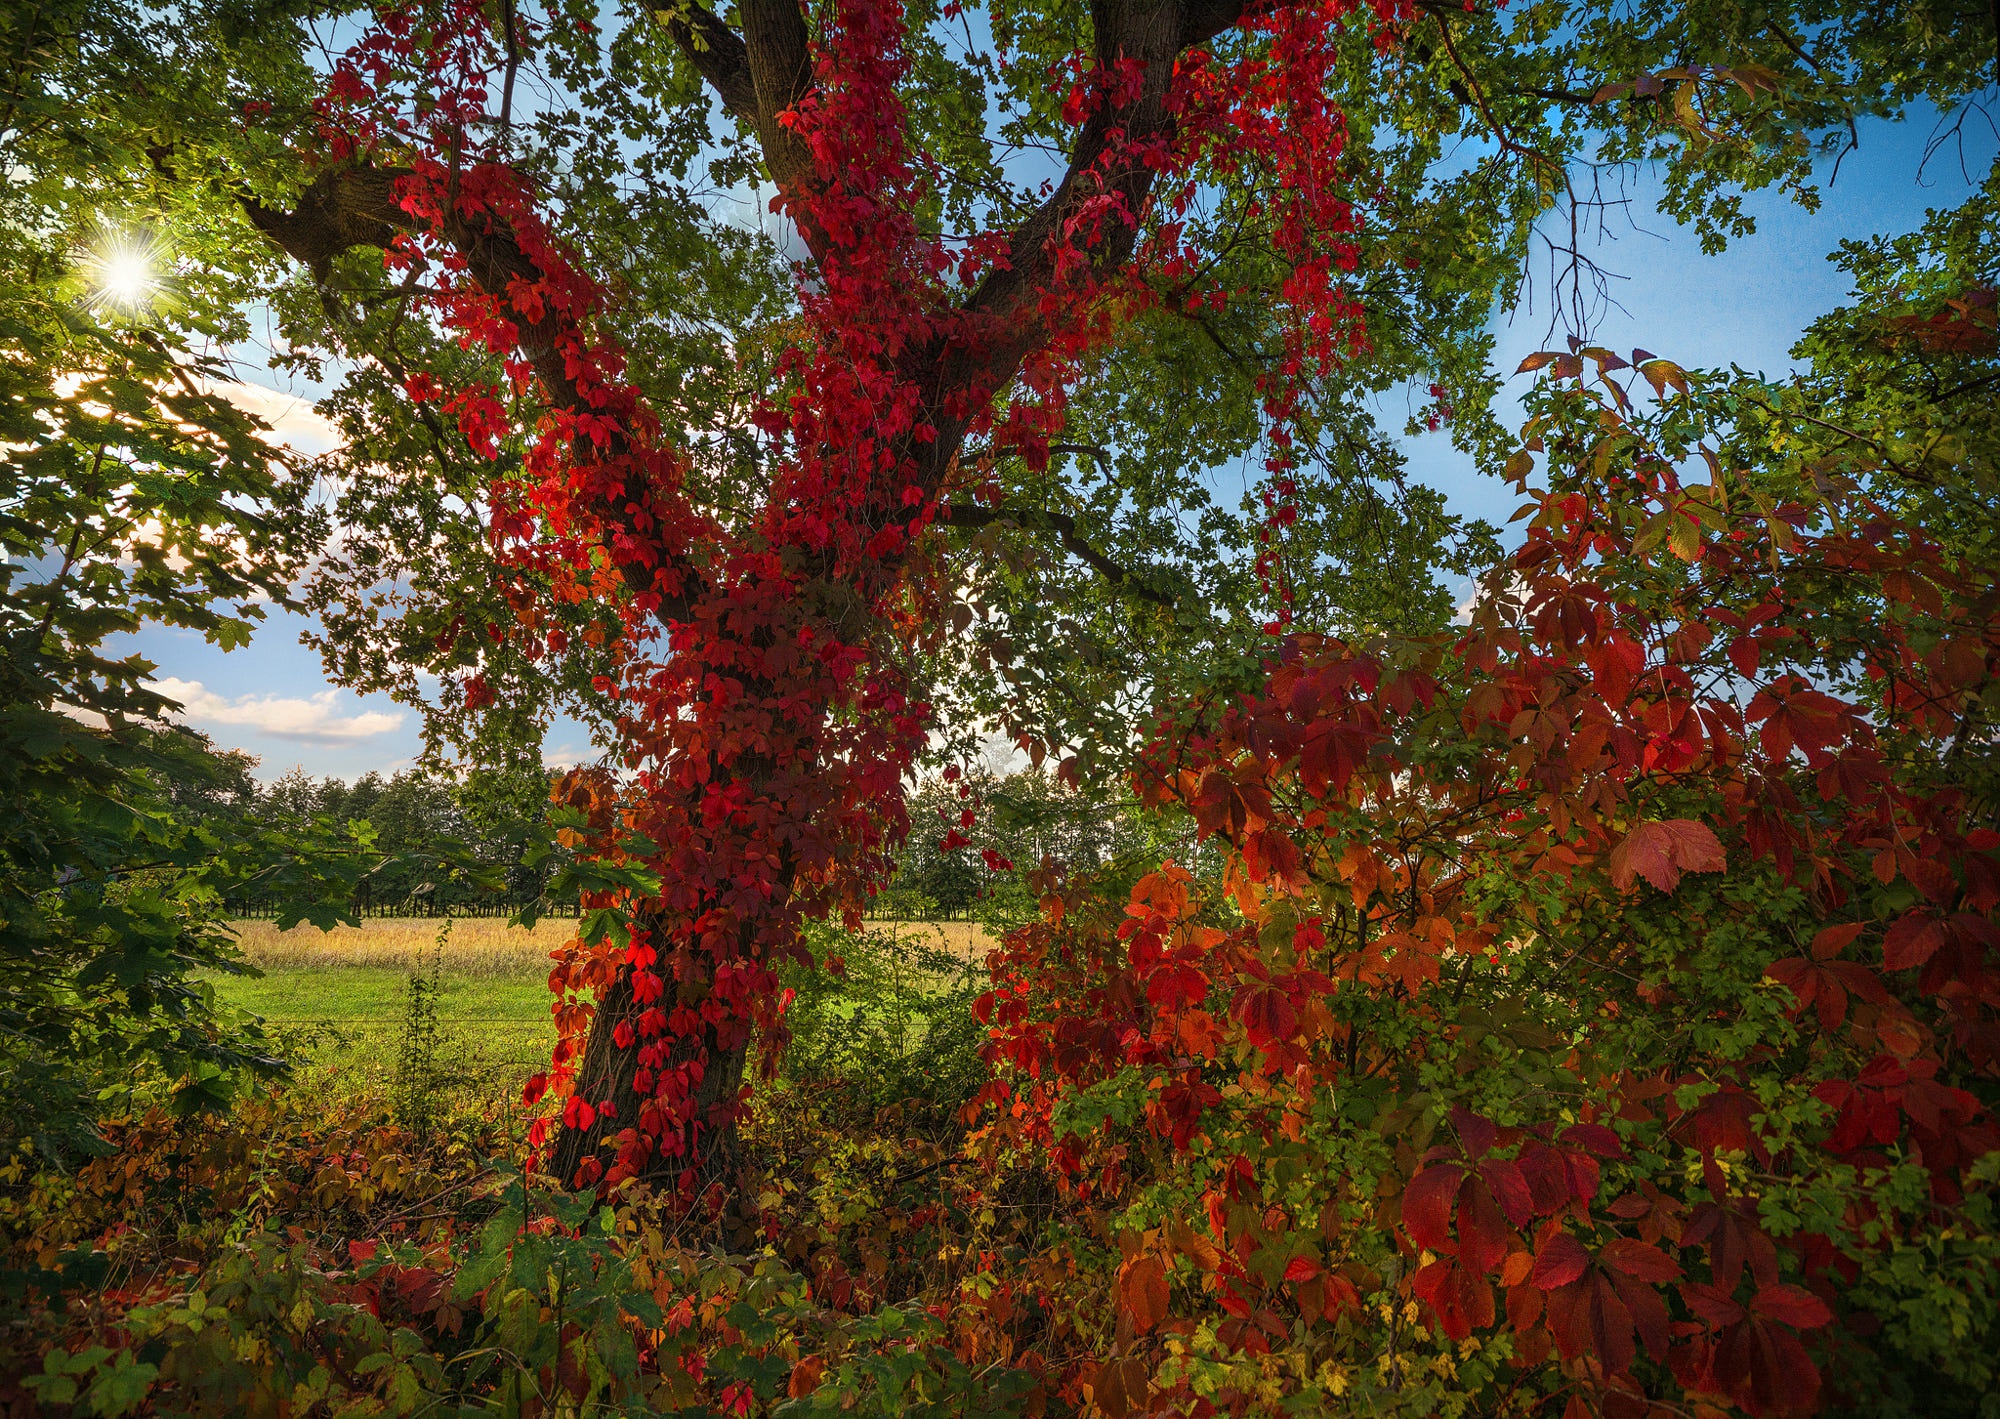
(1193, 1245)
(805, 1376)
(1142, 1286)
(1120, 1387)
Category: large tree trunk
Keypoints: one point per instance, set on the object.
(763, 925)
(607, 1072)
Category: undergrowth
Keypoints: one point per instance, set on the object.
(322, 1250)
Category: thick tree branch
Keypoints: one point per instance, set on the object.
(718, 55)
(1005, 305)
(758, 76)
(769, 69)
(764, 73)
(356, 205)
(971, 516)
(779, 49)
(343, 208)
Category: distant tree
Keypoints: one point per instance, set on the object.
(431, 828)
(976, 839)
(223, 785)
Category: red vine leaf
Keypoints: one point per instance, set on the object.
(1559, 1261)
(1794, 1305)
(1142, 1287)
(1427, 1206)
(1661, 851)
(1637, 1259)
(1462, 1299)
(1831, 941)
(1913, 939)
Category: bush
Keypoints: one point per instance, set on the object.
(314, 1260)
(890, 1025)
(1599, 1014)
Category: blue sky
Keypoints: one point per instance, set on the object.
(1744, 306)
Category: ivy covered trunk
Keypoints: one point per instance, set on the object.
(610, 1072)
(753, 810)
(753, 641)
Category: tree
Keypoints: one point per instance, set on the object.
(771, 745)
(478, 838)
(129, 491)
(976, 838)
(749, 602)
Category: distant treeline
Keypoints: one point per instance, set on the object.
(423, 823)
(1020, 822)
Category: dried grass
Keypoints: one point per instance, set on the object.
(488, 946)
(479, 946)
(967, 940)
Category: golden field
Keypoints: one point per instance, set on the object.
(477, 946)
(965, 939)
(488, 946)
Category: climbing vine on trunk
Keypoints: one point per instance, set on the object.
(767, 723)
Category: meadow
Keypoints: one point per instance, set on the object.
(338, 1001)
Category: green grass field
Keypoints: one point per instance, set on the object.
(353, 1020)
(338, 1001)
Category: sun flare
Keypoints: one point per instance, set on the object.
(124, 271)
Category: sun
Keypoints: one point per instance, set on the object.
(123, 271)
(127, 278)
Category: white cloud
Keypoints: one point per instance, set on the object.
(294, 422)
(313, 720)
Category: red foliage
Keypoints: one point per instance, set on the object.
(764, 716)
(1416, 837)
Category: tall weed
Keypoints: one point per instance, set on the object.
(417, 1073)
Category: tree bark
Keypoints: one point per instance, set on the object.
(607, 1072)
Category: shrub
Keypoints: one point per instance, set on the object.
(1600, 1013)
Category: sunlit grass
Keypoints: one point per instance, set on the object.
(339, 997)
(480, 947)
